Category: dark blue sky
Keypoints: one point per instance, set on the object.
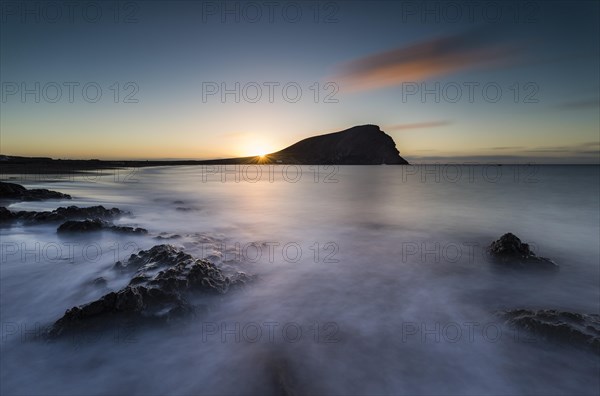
(458, 80)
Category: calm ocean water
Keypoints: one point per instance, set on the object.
(370, 280)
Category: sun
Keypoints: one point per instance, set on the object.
(260, 150)
(255, 147)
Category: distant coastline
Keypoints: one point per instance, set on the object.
(359, 145)
(38, 165)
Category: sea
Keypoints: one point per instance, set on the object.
(366, 280)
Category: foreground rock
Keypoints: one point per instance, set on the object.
(74, 226)
(62, 214)
(6, 215)
(16, 192)
(162, 278)
(582, 330)
(510, 251)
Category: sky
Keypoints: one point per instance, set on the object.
(450, 81)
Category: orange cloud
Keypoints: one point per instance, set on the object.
(423, 60)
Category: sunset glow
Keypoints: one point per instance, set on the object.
(470, 86)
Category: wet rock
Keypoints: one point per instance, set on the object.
(16, 192)
(129, 230)
(82, 226)
(98, 212)
(184, 209)
(577, 329)
(62, 214)
(100, 282)
(164, 236)
(161, 280)
(6, 215)
(510, 251)
(96, 225)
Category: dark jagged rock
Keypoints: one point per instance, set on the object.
(510, 251)
(6, 215)
(96, 225)
(162, 278)
(567, 327)
(16, 192)
(62, 214)
(99, 211)
(166, 236)
(82, 226)
(184, 209)
(100, 282)
(128, 230)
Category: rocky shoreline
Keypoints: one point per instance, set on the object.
(161, 279)
(74, 226)
(16, 192)
(580, 330)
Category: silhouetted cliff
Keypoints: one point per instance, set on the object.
(360, 145)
